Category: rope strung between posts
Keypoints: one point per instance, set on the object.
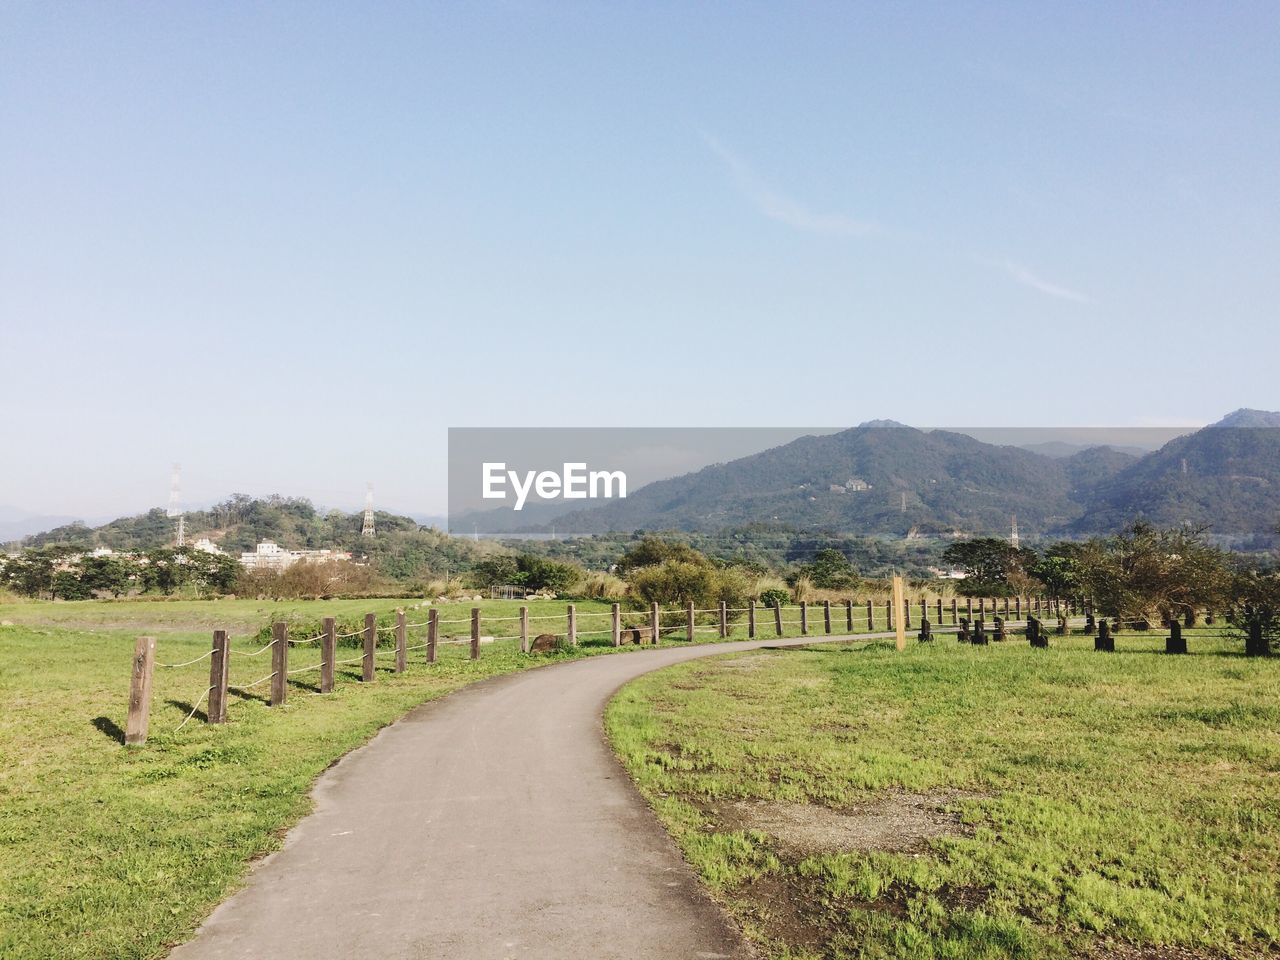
(257, 653)
(314, 666)
(193, 709)
(318, 636)
(256, 682)
(186, 663)
(348, 636)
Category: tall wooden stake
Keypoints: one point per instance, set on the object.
(139, 718)
(328, 654)
(279, 663)
(899, 619)
(218, 664)
(370, 642)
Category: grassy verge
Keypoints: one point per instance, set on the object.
(1083, 804)
(107, 853)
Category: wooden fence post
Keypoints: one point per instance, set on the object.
(524, 629)
(751, 619)
(871, 616)
(571, 613)
(968, 608)
(475, 633)
(402, 640)
(139, 718)
(826, 616)
(955, 612)
(889, 618)
(804, 618)
(655, 624)
(899, 615)
(433, 633)
(689, 621)
(370, 643)
(939, 611)
(218, 668)
(777, 616)
(724, 619)
(905, 607)
(615, 625)
(279, 663)
(328, 654)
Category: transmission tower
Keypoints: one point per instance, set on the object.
(175, 503)
(367, 529)
(1013, 534)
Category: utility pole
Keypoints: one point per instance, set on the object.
(1013, 534)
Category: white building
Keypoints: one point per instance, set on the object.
(269, 555)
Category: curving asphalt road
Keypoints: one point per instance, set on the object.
(492, 823)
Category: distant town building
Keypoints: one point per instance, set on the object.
(207, 546)
(269, 555)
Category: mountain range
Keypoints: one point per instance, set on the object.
(884, 478)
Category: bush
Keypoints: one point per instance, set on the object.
(775, 596)
(680, 582)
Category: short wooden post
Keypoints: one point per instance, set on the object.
(139, 718)
(1256, 643)
(777, 616)
(804, 618)
(955, 612)
(906, 613)
(370, 645)
(968, 608)
(1175, 642)
(655, 623)
(279, 663)
(572, 614)
(688, 628)
(848, 616)
(615, 625)
(433, 634)
(888, 615)
(475, 633)
(826, 616)
(218, 668)
(871, 616)
(724, 619)
(402, 643)
(1017, 607)
(939, 611)
(524, 629)
(899, 615)
(751, 619)
(328, 654)
(1103, 642)
(1006, 608)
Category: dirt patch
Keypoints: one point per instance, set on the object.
(897, 822)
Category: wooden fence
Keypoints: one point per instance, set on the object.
(687, 623)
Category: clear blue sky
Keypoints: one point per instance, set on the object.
(289, 244)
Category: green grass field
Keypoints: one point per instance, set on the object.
(1123, 805)
(112, 853)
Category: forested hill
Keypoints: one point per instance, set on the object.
(240, 522)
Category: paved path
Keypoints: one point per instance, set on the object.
(489, 824)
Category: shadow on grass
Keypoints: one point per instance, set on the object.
(244, 694)
(109, 728)
(187, 708)
(305, 685)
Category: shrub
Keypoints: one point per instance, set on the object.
(680, 582)
(775, 596)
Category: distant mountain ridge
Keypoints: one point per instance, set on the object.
(884, 478)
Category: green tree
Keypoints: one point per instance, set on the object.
(830, 570)
(988, 564)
